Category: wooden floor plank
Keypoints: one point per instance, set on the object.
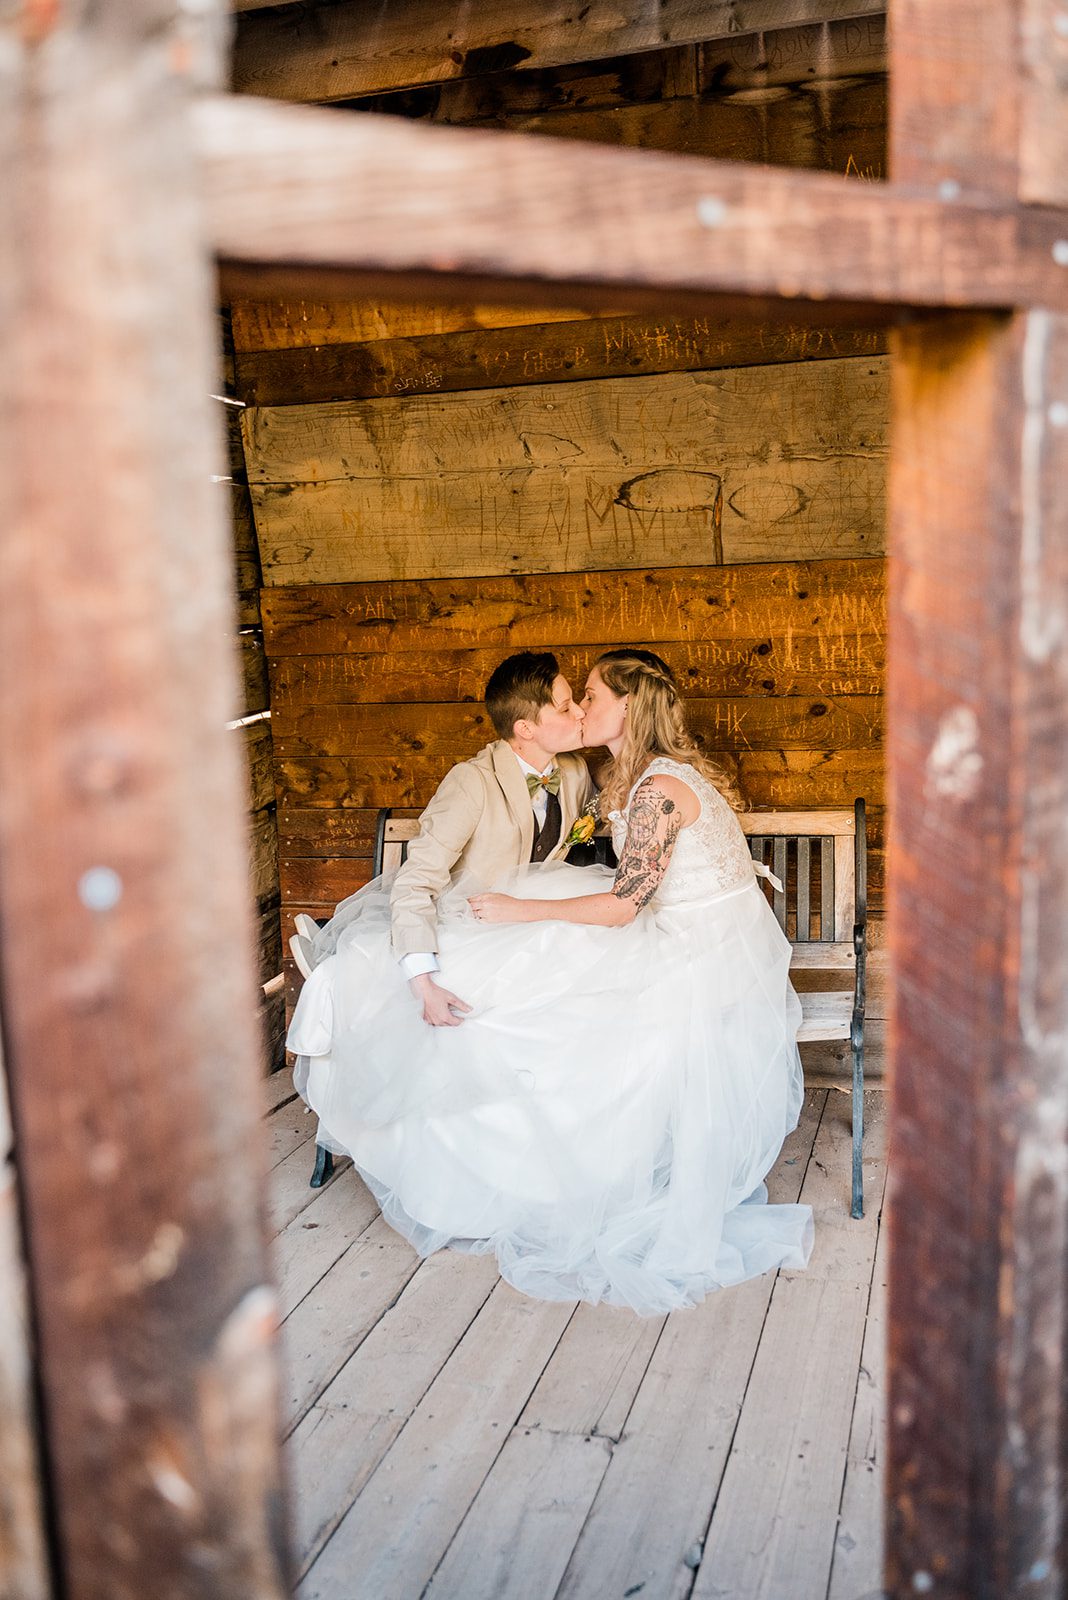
(772, 1533)
(467, 1446)
(290, 1189)
(515, 1541)
(590, 1383)
(857, 1568)
(287, 1129)
(307, 1247)
(333, 1320)
(678, 1434)
(400, 1527)
(278, 1089)
(342, 1439)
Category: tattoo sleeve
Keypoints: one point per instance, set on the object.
(653, 827)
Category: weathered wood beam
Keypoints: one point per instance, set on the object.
(1044, 105)
(956, 121)
(126, 972)
(978, 771)
(303, 198)
(758, 602)
(978, 759)
(336, 52)
(24, 1566)
(954, 102)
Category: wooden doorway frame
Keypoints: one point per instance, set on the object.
(133, 1080)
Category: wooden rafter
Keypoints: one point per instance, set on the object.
(339, 51)
(294, 192)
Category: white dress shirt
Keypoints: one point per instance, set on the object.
(420, 961)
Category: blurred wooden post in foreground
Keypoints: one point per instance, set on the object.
(978, 769)
(125, 946)
(125, 960)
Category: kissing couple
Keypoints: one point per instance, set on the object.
(588, 1072)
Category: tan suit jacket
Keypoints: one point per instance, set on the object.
(480, 822)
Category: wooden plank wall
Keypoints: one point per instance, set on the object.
(774, 619)
(433, 488)
(256, 736)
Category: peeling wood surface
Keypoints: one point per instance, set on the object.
(978, 772)
(442, 1425)
(979, 787)
(336, 52)
(954, 117)
(1044, 103)
(126, 964)
(24, 1562)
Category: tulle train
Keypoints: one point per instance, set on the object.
(605, 1117)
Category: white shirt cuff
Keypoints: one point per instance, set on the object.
(414, 965)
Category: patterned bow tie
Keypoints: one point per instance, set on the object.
(549, 781)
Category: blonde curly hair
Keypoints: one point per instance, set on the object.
(656, 726)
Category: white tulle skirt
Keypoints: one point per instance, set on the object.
(603, 1119)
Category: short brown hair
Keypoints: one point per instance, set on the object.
(520, 687)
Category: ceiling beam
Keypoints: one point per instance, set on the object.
(298, 197)
(337, 52)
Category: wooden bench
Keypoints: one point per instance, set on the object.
(820, 857)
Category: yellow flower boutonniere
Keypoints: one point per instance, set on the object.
(583, 829)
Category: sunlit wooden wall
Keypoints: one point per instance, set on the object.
(435, 487)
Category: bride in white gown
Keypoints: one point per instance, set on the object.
(604, 1116)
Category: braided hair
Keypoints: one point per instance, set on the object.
(656, 725)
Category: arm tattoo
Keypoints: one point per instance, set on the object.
(653, 827)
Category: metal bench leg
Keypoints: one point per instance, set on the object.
(857, 1208)
(324, 1167)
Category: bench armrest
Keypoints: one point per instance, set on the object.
(860, 951)
(860, 925)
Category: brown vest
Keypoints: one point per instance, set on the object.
(546, 841)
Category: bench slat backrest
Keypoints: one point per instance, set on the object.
(392, 839)
(777, 838)
(783, 840)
